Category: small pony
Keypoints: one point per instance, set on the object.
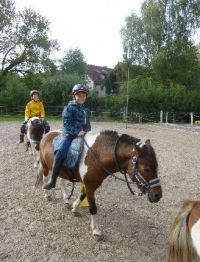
(184, 234)
(35, 132)
(104, 154)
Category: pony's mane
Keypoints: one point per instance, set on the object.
(109, 133)
(124, 138)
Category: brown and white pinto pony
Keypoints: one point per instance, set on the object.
(35, 132)
(105, 153)
(184, 234)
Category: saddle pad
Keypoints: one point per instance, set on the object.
(74, 153)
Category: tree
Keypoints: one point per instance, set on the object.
(162, 37)
(161, 22)
(56, 89)
(73, 62)
(24, 43)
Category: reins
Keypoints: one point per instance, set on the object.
(124, 172)
(117, 164)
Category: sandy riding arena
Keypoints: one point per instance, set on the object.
(33, 229)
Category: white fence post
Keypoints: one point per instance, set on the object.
(191, 118)
(166, 118)
(161, 116)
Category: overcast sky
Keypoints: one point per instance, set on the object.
(91, 25)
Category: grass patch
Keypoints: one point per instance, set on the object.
(20, 118)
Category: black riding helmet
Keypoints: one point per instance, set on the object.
(79, 88)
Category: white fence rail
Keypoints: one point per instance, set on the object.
(136, 117)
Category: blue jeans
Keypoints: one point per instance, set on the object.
(61, 154)
(23, 127)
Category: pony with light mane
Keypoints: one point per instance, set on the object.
(184, 234)
(35, 132)
(104, 154)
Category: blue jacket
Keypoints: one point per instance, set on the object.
(75, 118)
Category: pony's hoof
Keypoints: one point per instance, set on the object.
(48, 198)
(98, 237)
(76, 214)
(67, 205)
(35, 166)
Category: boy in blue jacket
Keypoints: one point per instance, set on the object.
(76, 122)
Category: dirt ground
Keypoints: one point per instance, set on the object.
(33, 229)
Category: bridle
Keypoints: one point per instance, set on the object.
(145, 185)
(141, 181)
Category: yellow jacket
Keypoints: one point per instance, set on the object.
(34, 108)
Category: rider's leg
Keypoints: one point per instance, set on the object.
(22, 132)
(59, 157)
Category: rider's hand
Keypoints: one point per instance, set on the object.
(81, 133)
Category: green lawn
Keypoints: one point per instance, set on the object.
(20, 118)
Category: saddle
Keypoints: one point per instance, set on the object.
(74, 153)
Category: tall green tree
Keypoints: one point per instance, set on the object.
(73, 62)
(161, 22)
(161, 38)
(24, 42)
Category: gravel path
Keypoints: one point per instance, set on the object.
(32, 229)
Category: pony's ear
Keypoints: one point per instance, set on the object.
(139, 148)
(148, 142)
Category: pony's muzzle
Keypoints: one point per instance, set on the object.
(154, 197)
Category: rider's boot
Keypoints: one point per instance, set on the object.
(55, 172)
(21, 138)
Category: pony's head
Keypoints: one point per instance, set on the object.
(143, 169)
(36, 130)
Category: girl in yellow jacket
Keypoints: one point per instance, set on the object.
(34, 107)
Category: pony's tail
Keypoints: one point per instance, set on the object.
(179, 238)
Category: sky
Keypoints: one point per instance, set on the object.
(93, 26)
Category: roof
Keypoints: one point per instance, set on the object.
(98, 73)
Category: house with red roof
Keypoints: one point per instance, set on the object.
(97, 76)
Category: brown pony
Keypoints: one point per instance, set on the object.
(105, 153)
(184, 233)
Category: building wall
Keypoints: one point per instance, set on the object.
(98, 89)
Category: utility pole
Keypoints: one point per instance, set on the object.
(127, 83)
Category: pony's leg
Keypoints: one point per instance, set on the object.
(40, 173)
(94, 225)
(78, 201)
(90, 193)
(48, 194)
(63, 183)
(38, 158)
(95, 230)
(35, 155)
